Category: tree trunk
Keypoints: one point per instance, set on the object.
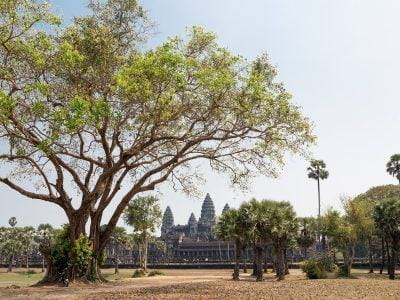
(393, 259)
(286, 262)
(258, 253)
(305, 253)
(280, 262)
(146, 246)
(245, 260)
(319, 200)
(323, 243)
(371, 263)
(265, 261)
(383, 251)
(10, 263)
(116, 262)
(238, 250)
(27, 261)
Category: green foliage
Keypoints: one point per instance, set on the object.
(308, 232)
(326, 262)
(144, 214)
(82, 253)
(393, 166)
(139, 273)
(318, 267)
(343, 271)
(64, 255)
(317, 170)
(313, 269)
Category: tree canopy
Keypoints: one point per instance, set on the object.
(85, 111)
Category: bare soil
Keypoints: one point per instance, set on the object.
(216, 284)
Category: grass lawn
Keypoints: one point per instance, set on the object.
(19, 276)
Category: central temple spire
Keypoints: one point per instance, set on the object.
(207, 210)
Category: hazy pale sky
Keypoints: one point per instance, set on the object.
(340, 60)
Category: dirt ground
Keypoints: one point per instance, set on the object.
(216, 284)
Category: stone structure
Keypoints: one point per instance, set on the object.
(195, 240)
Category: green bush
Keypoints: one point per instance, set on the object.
(62, 248)
(343, 271)
(139, 273)
(155, 273)
(312, 269)
(326, 263)
(317, 268)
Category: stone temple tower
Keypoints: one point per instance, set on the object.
(192, 223)
(167, 221)
(207, 212)
(226, 208)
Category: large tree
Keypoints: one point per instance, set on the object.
(87, 118)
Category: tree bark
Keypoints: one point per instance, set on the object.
(10, 263)
(116, 261)
(280, 262)
(258, 253)
(371, 264)
(245, 260)
(265, 260)
(286, 262)
(238, 250)
(383, 251)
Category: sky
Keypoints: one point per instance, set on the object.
(340, 60)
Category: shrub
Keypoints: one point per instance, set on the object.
(155, 273)
(61, 249)
(312, 269)
(326, 263)
(138, 273)
(317, 268)
(343, 271)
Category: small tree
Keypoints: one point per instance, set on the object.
(233, 225)
(393, 166)
(144, 215)
(119, 239)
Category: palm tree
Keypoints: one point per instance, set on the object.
(282, 229)
(307, 234)
(393, 166)
(317, 171)
(233, 226)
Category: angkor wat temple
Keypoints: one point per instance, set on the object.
(195, 241)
